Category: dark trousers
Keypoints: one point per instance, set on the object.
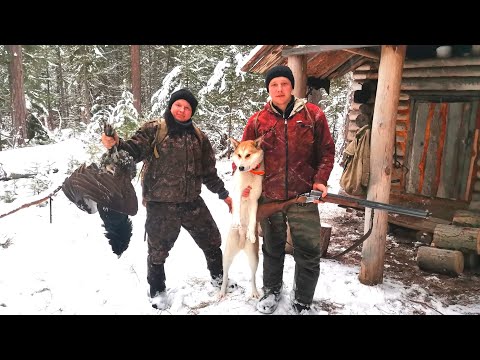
(163, 224)
(304, 222)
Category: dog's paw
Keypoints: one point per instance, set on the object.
(221, 294)
(255, 294)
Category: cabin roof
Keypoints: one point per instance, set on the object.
(325, 61)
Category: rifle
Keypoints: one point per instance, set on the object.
(265, 210)
(354, 202)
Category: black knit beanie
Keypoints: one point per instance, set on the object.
(277, 71)
(184, 94)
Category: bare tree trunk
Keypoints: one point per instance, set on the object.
(136, 85)
(60, 83)
(19, 109)
(148, 95)
(85, 113)
(169, 57)
(49, 119)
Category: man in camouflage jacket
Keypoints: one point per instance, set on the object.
(171, 189)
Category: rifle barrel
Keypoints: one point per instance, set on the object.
(335, 198)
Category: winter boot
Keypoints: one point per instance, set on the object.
(299, 308)
(268, 303)
(159, 299)
(156, 279)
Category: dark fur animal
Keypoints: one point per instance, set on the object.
(107, 189)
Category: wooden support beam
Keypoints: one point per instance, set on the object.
(348, 66)
(423, 225)
(363, 52)
(319, 48)
(298, 65)
(366, 67)
(381, 154)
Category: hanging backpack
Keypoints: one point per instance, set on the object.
(356, 172)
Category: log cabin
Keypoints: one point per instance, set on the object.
(422, 102)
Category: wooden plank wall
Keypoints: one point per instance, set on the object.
(441, 147)
(361, 113)
(401, 137)
(475, 165)
(426, 77)
(361, 109)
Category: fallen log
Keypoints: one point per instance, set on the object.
(441, 261)
(457, 238)
(466, 218)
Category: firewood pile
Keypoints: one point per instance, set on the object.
(455, 247)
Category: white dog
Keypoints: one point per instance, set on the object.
(248, 158)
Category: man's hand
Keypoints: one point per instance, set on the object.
(322, 188)
(109, 141)
(246, 191)
(228, 201)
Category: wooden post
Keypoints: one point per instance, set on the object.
(298, 65)
(381, 160)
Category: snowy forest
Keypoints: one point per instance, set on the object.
(53, 92)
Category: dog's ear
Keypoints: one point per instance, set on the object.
(234, 142)
(258, 141)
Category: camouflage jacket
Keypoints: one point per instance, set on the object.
(184, 164)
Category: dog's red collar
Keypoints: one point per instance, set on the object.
(257, 172)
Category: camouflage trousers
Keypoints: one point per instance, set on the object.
(304, 222)
(163, 224)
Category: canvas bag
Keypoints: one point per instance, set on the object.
(356, 172)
